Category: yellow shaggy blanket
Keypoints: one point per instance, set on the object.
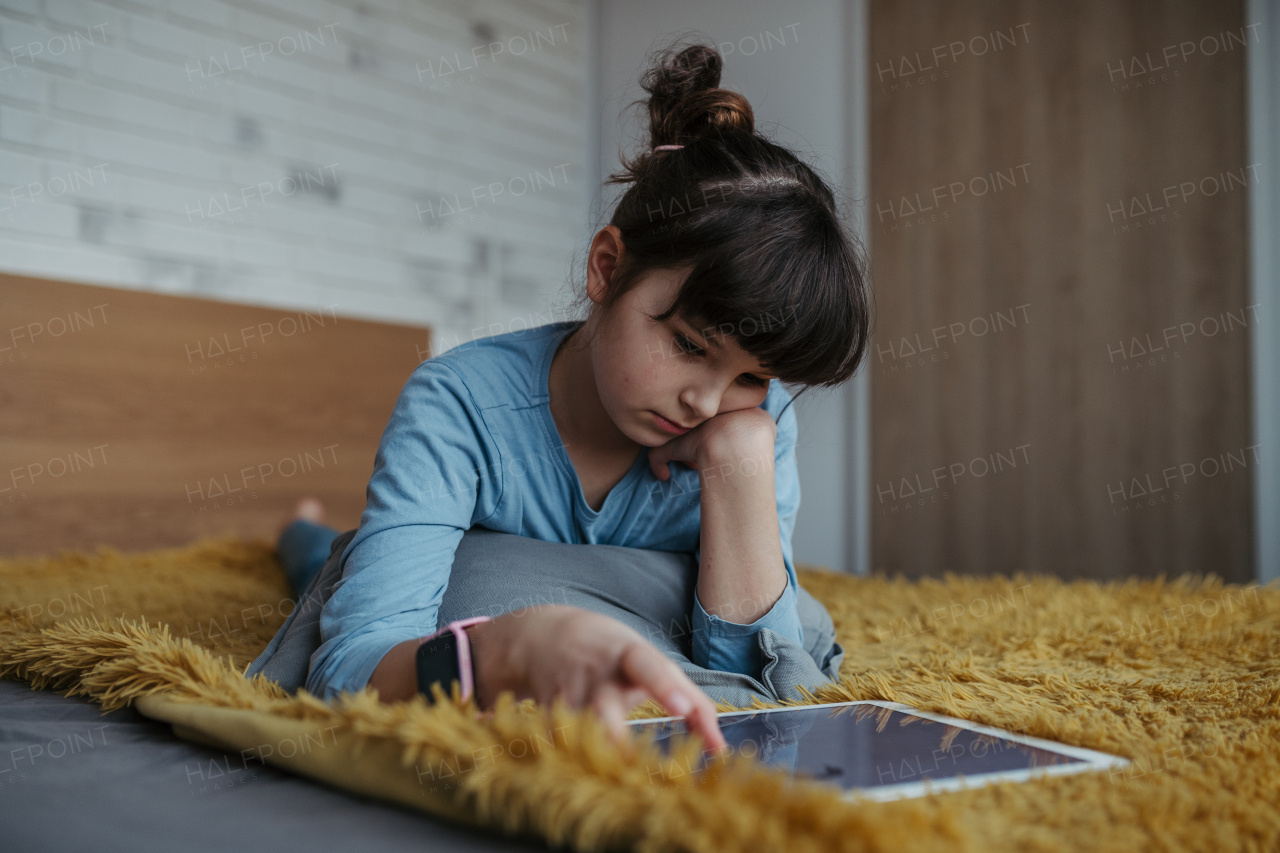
(1182, 677)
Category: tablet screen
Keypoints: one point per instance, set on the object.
(883, 750)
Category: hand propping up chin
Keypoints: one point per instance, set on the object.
(729, 438)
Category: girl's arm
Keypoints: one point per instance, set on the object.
(586, 658)
(749, 494)
(434, 476)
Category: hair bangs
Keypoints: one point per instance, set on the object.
(784, 299)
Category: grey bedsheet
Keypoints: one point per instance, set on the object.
(72, 778)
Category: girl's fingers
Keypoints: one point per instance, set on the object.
(645, 666)
(609, 705)
(706, 720)
(633, 696)
(682, 449)
(658, 464)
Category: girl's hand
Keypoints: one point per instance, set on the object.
(728, 438)
(741, 569)
(587, 658)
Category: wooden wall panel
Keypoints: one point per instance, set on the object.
(1087, 314)
(140, 420)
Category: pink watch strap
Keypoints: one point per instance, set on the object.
(458, 627)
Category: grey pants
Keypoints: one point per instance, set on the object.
(652, 591)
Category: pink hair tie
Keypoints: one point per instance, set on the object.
(668, 148)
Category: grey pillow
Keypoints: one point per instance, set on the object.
(651, 591)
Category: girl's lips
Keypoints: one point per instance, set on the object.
(668, 426)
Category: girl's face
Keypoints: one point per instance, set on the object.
(660, 379)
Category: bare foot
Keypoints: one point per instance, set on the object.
(307, 509)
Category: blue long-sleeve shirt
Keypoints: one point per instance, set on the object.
(472, 442)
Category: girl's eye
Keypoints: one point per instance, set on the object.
(753, 380)
(688, 347)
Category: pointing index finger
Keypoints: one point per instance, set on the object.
(644, 665)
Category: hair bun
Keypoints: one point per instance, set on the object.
(685, 98)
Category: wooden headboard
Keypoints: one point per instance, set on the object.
(140, 420)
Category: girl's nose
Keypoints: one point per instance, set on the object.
(702, 402)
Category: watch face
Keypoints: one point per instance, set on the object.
(437, 661)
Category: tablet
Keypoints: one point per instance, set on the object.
(883, 750)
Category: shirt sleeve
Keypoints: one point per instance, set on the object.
(732, 647)
(436, 473)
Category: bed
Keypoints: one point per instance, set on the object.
(1180, 677)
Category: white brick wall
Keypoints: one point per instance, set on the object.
(124, 139)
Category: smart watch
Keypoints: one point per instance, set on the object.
(445, 657)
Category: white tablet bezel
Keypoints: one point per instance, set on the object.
(1088, 759)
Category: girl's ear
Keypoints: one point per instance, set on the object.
(602, 262)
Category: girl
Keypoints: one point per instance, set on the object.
(723, 272)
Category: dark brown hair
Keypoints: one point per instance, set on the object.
(771, 263)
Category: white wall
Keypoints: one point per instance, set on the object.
(791, 61)
(166, 146)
